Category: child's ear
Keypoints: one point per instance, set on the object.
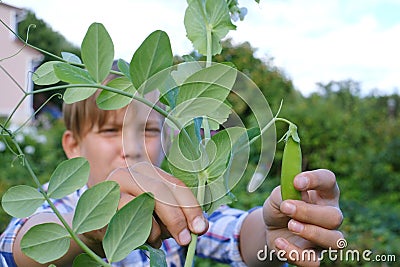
(70, 145)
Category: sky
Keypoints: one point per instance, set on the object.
(312, 41)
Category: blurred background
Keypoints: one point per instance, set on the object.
(343, 127)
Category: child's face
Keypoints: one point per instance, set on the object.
(133, 135)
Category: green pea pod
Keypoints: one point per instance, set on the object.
(291, 164)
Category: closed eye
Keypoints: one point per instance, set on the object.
(152, 131)
(109, 131)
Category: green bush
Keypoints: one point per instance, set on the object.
(42, 147)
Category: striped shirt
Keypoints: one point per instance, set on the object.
(220, 242)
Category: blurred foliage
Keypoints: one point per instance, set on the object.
(356, 136)
(42, 148)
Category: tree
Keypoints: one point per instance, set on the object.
(41, 35)
(44, 37)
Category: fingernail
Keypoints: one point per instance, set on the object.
(184, 237)
(301, 182)
(295, 226)
(288, 208)
(281, 243)
(199, 225)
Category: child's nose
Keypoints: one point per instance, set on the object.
(132, 146)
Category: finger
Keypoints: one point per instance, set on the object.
(154, 238)
(319, 236)
(180, 221)
(295, 255)
(188, 202)
(272, 214)
(309, 213)
(322, 180)
(166, 207)
(141, 171)
(126, 181)
(175, 222)
(175, 204)
(179, 194)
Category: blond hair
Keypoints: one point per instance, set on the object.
(80, 117)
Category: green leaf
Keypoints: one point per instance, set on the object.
(45, 242)
(184, 71)
(216, 194)
(123, 66)
(69, 176)
(220, 176)
(215, 82)
(207, 17)
(217, 112)
(157, 256)
(189, 178)
(21, 201)
(84, 260)
(109, 100)
(97, 52)
(96, 207)
(75, 94)
(129, 228)
(72, 74)
(168, 92)
(153, 56)
(45, 75)
(71, 58)
(184, 156)
(209, 88)
(221, 146)
(240, 153)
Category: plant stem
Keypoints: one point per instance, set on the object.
(15, 110)
(207, 131)
(200, 198)
(191, 251)
(266, 127)
(202, 177)
(12, 79)
(209, 47)
(27, 44)
(284, 120)
(263, 130)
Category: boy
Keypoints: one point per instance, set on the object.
(228, 235)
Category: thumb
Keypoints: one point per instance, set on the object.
(273, 217)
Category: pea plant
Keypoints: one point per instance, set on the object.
(207, 150)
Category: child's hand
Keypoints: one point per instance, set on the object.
(308, 224)
(176, 213)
